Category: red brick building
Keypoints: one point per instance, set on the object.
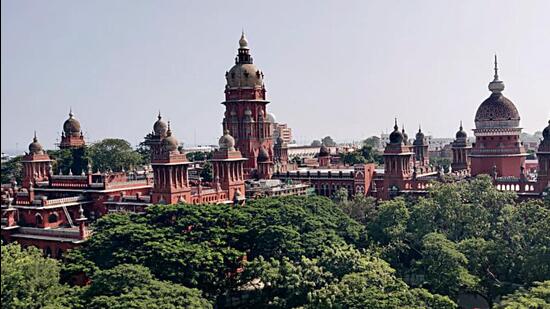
(246, 116)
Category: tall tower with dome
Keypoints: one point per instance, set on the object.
(498, 149)
(246, 117)
(72, 136)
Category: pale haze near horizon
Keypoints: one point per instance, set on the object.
(338, 68)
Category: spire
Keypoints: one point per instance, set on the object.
(461, 125)
(395, 127)
(159, 116)
(496, 68)
(496, 86)
(243, 55)
(243, 42)
(419, 128)
(34, 138)
(169, 131)
(71, 112)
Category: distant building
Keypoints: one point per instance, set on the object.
(282, 130)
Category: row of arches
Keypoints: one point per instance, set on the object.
(515, 187)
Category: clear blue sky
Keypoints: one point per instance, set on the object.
(340, 68)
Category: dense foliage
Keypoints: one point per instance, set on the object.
(12, 170)
(113, 154)
(30, 280)
(368, 153)
(312, 252)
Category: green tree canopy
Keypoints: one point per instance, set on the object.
(113, 154)
(133, 286)
(30, 280)
(328, 141)
(538, 296)
(12, 170)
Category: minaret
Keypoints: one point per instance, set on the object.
(245, 108)
(265, 165)
(397, 163)
(498, 145)
(170, 166)
(324, 156)
(281, 155)
(228, 167)
(461, 151)
(72, 136)
(36, 164)
(420, 145)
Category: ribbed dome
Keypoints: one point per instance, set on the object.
(461, 134)
(263, 156)
(405, 136)
(497, 111)
(35, 147)
(227, 141)
(160, 127)
(71, 126)
(396, 137)
(271, 118)
(244, 75)
(169, 143)
(419, 138)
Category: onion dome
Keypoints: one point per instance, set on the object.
(227, 141)
(324, 151)
(244, 73)
(497, 111)
(243, 42)
(35, 147)
(169, 143)
(461, 134)
(263, 156)
(405, 136)
(71, 126)
(419, 138)
(160, 127)
(396, 137)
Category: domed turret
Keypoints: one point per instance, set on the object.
(420, 139)
(497, 111)
(71, 126)
(227, 141)
(35, 147)
(396, 137)
(244, 74)
(160, 127)
(461, 134)
(243, 42)
(271, 118)
(263, 156)
(405, 136)
(170, 143)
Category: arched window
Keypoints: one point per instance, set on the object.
(48, 252)
(53, 217)
(39, 219)
(59, 253)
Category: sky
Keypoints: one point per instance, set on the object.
(339, 68)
